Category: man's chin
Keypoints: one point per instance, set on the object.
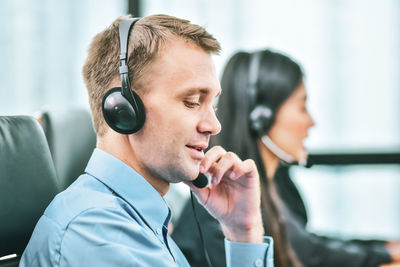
(186, 174)
(191, 169)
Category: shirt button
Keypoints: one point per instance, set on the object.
(258, 263)
(158, 231)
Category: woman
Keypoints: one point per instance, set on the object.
(262, 110)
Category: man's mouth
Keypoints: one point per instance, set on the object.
(199, 148)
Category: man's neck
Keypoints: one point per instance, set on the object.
(120, 147)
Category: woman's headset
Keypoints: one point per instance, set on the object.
(261, 116)
(123, 110)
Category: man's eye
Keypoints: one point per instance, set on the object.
(190, 104)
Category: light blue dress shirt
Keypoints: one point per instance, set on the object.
(111, 216)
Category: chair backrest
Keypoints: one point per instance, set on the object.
(28, 181)
(71, 140)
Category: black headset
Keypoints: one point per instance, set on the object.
(261, 116)
(123, 110)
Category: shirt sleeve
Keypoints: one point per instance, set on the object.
(249, 254)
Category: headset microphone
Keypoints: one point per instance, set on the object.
(201, 181)
(282, 155)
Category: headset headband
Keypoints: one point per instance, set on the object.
(125, 27)
(254, 68)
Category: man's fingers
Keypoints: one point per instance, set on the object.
(249, 167)
(219, 163)
(226, 166)
(213, 155)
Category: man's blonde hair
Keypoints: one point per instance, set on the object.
(148, 36)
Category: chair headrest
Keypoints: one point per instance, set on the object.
(28, 180)
(71, 140)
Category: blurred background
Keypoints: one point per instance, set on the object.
(349, 50)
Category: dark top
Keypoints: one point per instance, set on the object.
(312, 250)
(288, 192)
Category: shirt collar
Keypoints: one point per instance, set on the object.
(131, 186)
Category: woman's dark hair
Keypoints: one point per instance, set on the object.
(278, 77)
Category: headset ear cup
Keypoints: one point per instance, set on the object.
(120, 114)
(261, 119)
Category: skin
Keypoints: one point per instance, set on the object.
(181, 86)
(394, 250)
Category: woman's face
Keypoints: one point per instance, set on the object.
(291, 124)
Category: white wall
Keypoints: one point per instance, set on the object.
(43, 45)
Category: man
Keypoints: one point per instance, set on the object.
(114, 214)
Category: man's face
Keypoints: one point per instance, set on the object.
(180, 87)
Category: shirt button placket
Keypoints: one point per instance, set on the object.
(158, 231)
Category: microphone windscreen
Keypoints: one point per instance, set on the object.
(201, 181)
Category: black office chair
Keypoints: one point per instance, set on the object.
(28, 183)
(71, 140)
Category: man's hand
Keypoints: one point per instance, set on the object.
(393, 247)
(233, 196)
